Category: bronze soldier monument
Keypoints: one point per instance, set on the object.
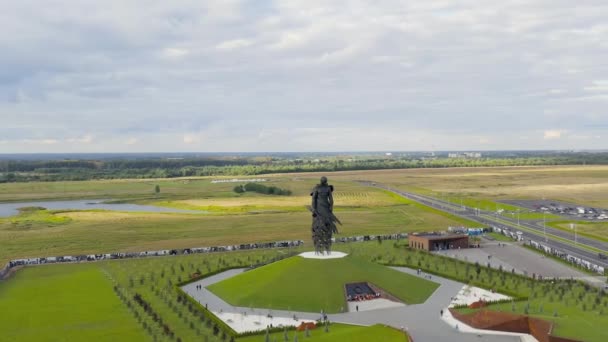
(323, 219)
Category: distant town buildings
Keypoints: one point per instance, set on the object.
(465, 155)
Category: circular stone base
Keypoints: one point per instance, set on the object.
(313, 255)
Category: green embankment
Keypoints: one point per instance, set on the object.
(595, 230)
(64, 303)
(337, 333)
(313, 285)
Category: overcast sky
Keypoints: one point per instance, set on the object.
(305, 75)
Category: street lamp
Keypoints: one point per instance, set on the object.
(573, 226)
(545, 225)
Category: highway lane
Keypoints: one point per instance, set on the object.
(529, 231)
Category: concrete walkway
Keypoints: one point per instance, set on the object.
(422, 321)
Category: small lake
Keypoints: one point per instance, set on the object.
(10, 209)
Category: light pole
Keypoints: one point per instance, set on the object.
(573, 226)
(545, 225)
(517, 218)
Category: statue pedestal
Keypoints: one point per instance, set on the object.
(313, 255)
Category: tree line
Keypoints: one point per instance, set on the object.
(261, 189)
(77, 170)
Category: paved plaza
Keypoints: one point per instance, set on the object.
(422, 321)
(510, 255)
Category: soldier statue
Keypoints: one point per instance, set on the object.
(323, 219)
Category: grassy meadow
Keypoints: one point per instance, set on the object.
(586, 185)
(596, 230)
(64, 303)
(229, 219)
(313, 285)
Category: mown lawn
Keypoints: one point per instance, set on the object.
(576, 309)
(312, 285)
(337, 333)
(64, 303)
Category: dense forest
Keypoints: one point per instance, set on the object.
(26, 170)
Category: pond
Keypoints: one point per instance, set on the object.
(10, 209)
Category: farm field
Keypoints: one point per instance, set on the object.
(312, 285)
(64, 303)
(586, 185)
(337, 333)
(576, 184)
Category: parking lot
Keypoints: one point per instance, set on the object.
(569, 210)
(513, 256)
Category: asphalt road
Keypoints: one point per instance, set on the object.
(531, 231)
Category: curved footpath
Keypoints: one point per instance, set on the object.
(422, 321)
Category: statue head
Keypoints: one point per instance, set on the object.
(323, 180)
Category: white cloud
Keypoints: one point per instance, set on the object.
(175, 52)
(132, 141)
(237, 75)
(553, 134)
(233, 44)
(598, 86)
(85, 139)
(191, 139)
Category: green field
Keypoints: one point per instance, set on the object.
(337, 333)
(313, 285)
(155, 279)
(64, 303)
(585, 185)
(234, 220)
(595, 230)
(499, 237)
(49, 302)
(578, 307)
